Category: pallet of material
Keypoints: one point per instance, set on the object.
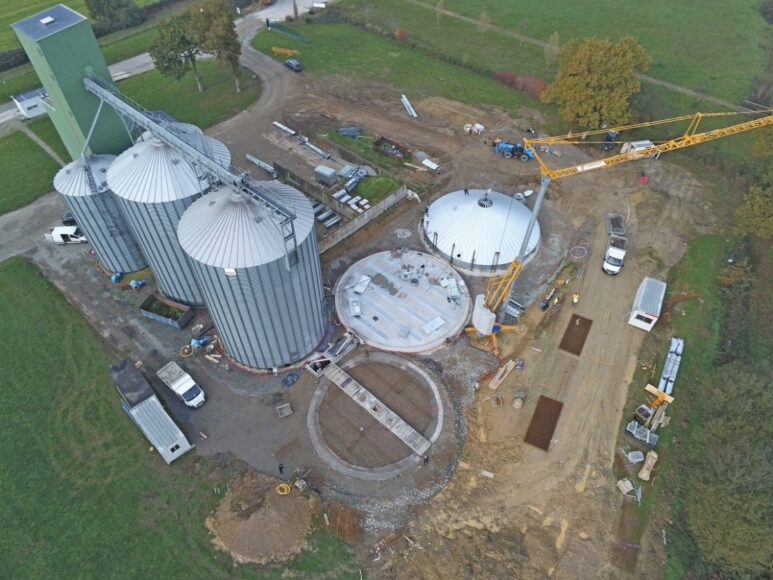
(325, 215)
(333, 221)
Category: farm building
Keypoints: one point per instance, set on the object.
(30, 104)
(141, 404)
(647, 304)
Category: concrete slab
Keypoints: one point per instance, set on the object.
(409, 304)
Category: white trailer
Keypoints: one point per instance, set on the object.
(182, 385)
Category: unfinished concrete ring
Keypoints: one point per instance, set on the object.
(384, 472)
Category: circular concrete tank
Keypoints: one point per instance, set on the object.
(83, 185)
(268, 312)
(481, 231)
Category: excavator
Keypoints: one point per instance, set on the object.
(484, 315)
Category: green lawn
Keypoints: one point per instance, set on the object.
(350, 51)
(27, 172)
(363, 147)
(716, 46)
(374, 189)
(115, 47)
(44, 128)
(180, 98)
(83, 496)
(14, 10)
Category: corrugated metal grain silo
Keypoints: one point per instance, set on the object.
(267, 314)
(155, 186)
(83, 185)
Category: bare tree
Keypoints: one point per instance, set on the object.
(551, 50)
(439, 8)
(484, 24)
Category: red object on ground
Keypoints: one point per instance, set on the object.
(643, 179)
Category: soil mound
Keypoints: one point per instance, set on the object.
(255, 525)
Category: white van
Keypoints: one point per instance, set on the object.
(639, 146)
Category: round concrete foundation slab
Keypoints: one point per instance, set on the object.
(353, 442)
(403, 301)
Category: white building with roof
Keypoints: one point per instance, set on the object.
(31, 104)
(647, 304)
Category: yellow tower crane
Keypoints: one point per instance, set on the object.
(498, 288)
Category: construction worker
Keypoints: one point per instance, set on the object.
(575, 298)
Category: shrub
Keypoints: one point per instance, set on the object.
(524, 83)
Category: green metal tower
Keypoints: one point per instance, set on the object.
(63, 49)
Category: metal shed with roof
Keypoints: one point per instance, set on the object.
(479, 230)
(83, 185)
(155, 186)
(647, 304)
(269, 311)
(141, 404)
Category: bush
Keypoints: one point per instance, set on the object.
(524, 83)
(767, 11)
(13, 58)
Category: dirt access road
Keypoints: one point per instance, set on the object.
(544, 513)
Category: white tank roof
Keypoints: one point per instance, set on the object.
(226, 230)
(480, 224)
(73, 180)
(152, 172)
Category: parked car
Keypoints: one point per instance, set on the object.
(293, 65)
(68, 219)
(610, 141)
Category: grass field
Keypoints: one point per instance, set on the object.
(115, 47)
(715, 46)
(376, 188)
(14, 10)
(27, 172)
(363, 147)
(84, 497)
(44, 128)
(218, 102)
(346, 50)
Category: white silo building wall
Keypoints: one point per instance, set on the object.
(267, 315)
(83, 185)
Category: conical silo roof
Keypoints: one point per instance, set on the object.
(227, 230)
(482, 227)
(191, 134)
(152, 172)
(73, 179)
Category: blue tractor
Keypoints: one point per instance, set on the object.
(514, 151)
